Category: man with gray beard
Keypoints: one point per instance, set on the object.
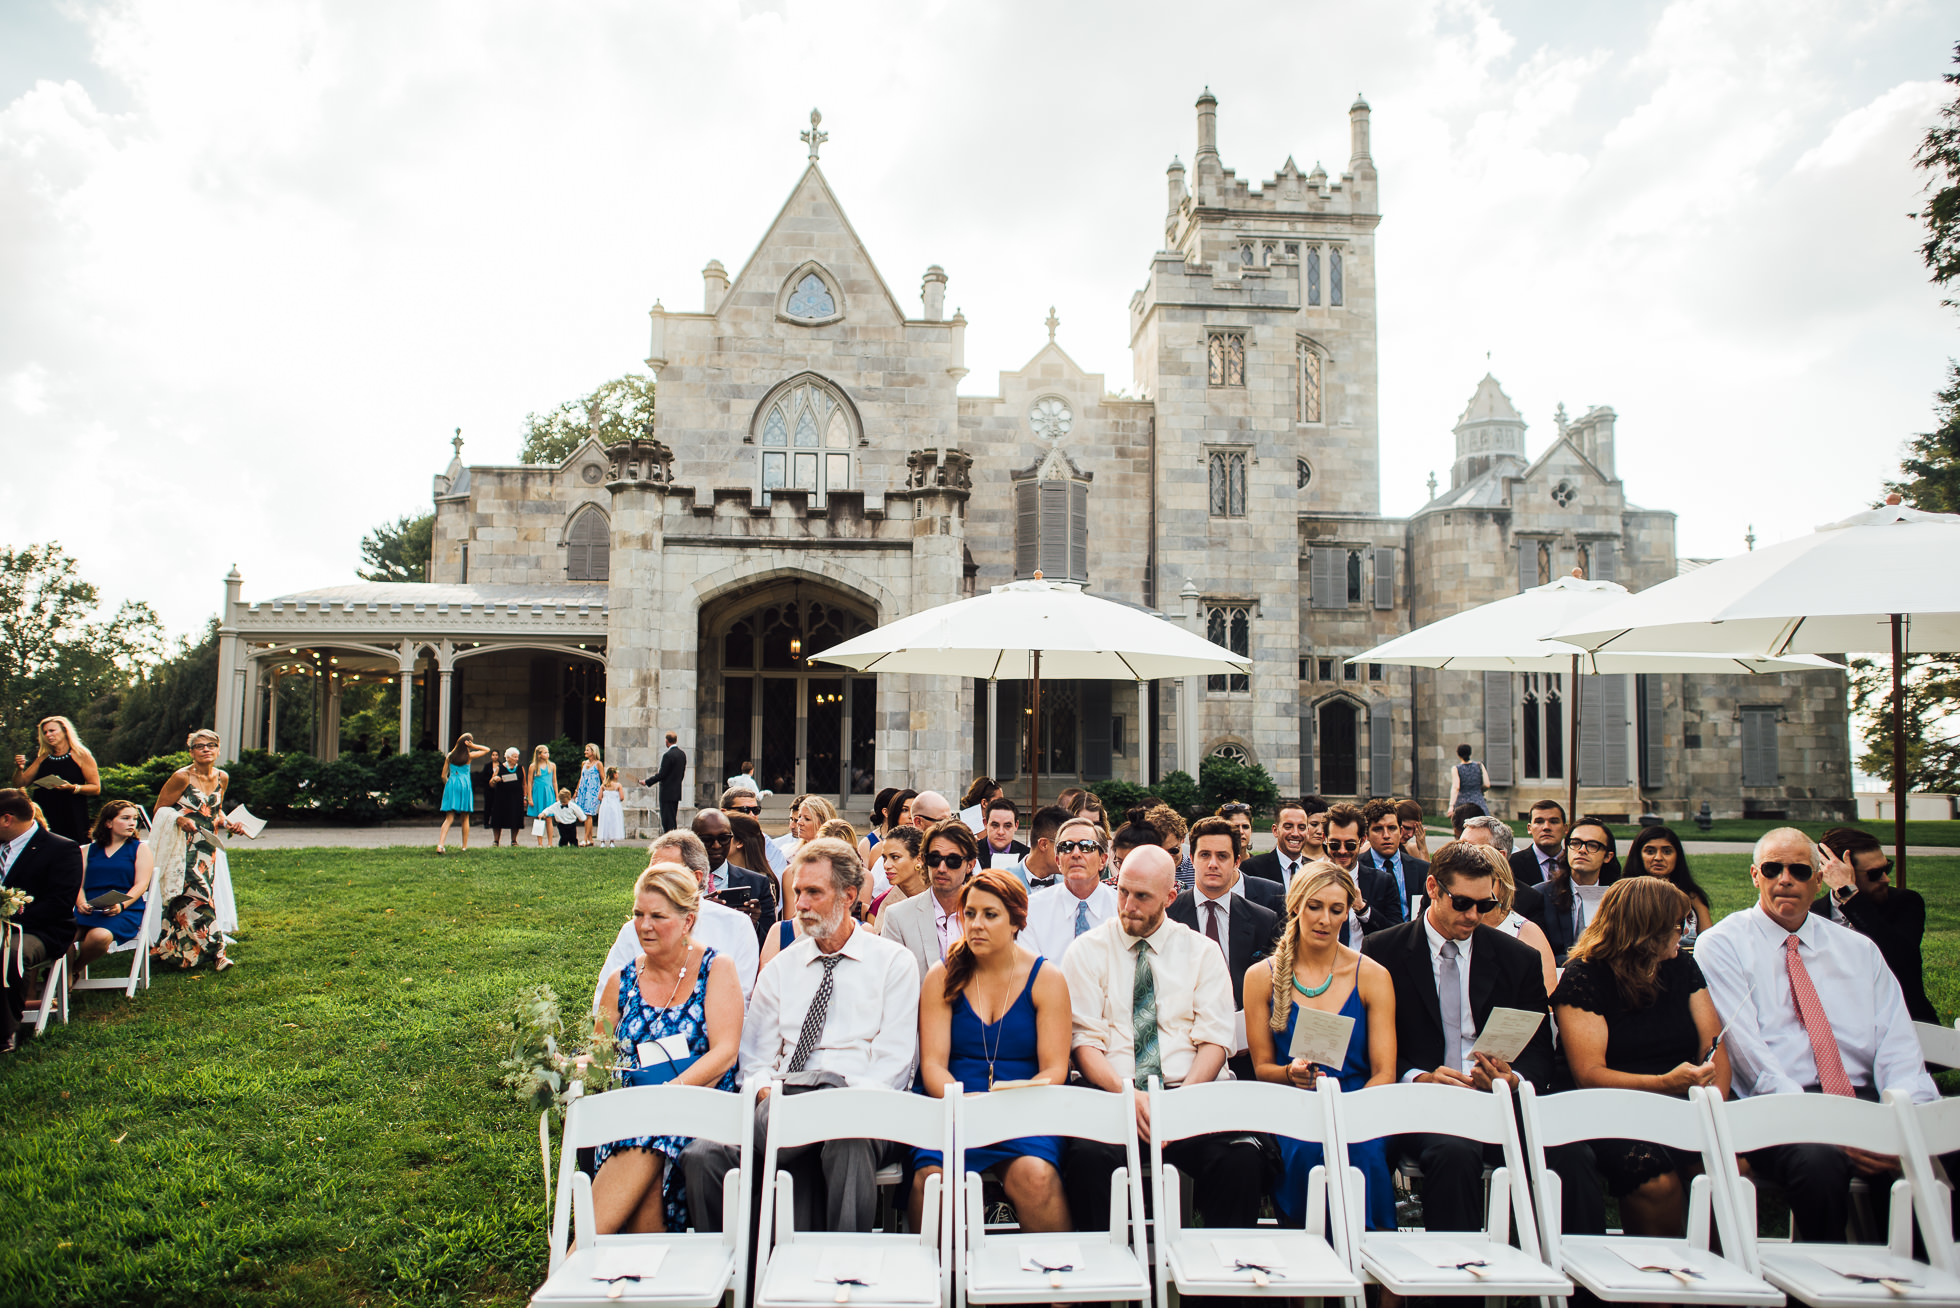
(838, 1007)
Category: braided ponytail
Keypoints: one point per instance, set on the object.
(1310, 880)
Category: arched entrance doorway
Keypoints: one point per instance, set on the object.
(1340, 771)
(808, 730)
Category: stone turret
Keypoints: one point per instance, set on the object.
(1593, 434)
(933, 292)
(1174, 179)
(714, 285)
(1490, 434)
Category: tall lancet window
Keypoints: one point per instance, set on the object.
(1309, 383)
(1334, 289)
(1313, 274)
(806, 437)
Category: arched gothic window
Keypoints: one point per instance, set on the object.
(806, 438)
(588, 548)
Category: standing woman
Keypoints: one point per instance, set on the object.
(190, 812)
(1657, 852)
(1468, 782)
(590, 783)
(113, 860)
(504, 809)
(1311, 968)
(990, 1013)
(612, 811)
(459, 787)
(541, 782)
(60, 758)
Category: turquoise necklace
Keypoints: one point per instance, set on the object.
(1320, 989)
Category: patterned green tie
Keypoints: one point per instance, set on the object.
(1143, 1018)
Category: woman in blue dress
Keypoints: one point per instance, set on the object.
(1311, 968)
(590, 782)
(992, 1013)
(458, 789)
(678, 1005)
(114, 861)
(544, 791)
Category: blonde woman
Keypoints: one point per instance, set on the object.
(190, 812)
(541, 781)
(67, 775)
(591, 780)
(1311, 968)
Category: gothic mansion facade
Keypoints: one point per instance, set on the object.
(814, 472)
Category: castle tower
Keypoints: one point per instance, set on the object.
(1490, 434)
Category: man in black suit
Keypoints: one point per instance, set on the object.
(48, 867)
(1238, 914)
(1002, 819)
(1481, 830)
(1345, 824)
(673, 768)
(1449, 971)
(1384, 853)
(1290, 847)
(717, 836)
(1540, 860)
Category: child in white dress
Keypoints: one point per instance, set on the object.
(612, 811)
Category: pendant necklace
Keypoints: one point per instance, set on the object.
(999, 1034)
(1320, 989)
(681, 975)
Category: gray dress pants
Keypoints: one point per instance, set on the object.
(836, 1182)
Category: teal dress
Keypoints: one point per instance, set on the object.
(544, 791)
(459, 792)
(1298, 1158)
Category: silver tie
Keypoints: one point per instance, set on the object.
(1450, 993)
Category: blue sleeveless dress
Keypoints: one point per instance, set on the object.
(108, 872)
(1017, 1057)
(459, 792)
(587, 794)
(544, 790)
(1298, 1158)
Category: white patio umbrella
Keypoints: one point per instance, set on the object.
(1025, 628)
(1884, 578)
(1512, 635)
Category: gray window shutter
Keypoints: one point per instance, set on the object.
(1612, 696)
(1605, 560)
(1527, 564)
(1007, 731)
(1591, 737)
(1380, 768)
(1078, 531)
(1648, 690)
(1385, 578)
(1092, 699)
(1759, 746)
(1027, 529)
(1054, 529)
(1306, 749)
(1497, 727)
(1328, 580)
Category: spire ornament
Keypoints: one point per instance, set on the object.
(1051, 322)
(814, 138)
(458, 442)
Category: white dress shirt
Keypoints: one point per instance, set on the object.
(720, 928)
(1468, 1029)
(871, 1029)
(947, 923)
(1051, 917)
(1743, 959)
(1194, 996)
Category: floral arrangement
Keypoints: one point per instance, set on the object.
(13, 900)
(543, 1069)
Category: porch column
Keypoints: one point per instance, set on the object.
(993, 728)
(272, 714)
(1142, 733)
(228, 713)
(248, 698)
(1187, 700)
(405, 674)
(445, 665)
(332, 738)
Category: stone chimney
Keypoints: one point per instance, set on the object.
(1361, 165)
(714, 279)
(956, 361)
(933, 292)
(1206, 162)
(657, 338)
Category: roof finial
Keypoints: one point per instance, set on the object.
(458, 442)
(1750, 538)
(1432, 483)
(814, 138)
(1558, 418)
(1051, 322)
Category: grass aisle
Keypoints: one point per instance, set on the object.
(324, 1124)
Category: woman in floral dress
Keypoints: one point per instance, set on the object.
(187, 858)
(680, 1005)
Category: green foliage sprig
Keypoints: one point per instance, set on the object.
(543, 1069)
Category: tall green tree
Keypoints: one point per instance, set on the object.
(398, 550)
(58, 652)
(169, 701)
(612, 411)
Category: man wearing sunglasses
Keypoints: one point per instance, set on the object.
(1449, 971)
(1810, 1008)
(1345, 823)
(738, 799)
(928, 924)
(1081, 901)
(1858, 876)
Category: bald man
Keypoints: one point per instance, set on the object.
(929, 808)
(1152, 998)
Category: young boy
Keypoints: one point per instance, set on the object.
(569, 817)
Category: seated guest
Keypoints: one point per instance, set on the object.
(1240, 817)
(1449, 971)
(900, 851)
(1316, 809)
(1634, 1014)
(1236, 914)
(1343, 844)
(1169, 825)
(1151, 998)
(1461, 813)
(114, 862)
(881, 817)
(980, 792)
(49, 868)
(718, 925)
(1481, 830)
(929, 809)
(838, 1007)
(1657, 852)
(996, 1011)
(1312, 968)
(1003, 821)
(1291, 828)
(1223, 843)
(678, 991)
(1589, 866)
(1135, 833)
(1039, 862)
(1858, 876)
(1506, 918)
(898, 813)
(1810, 1007)
(750, 848)
(739, 887)
(1081, 902)
(838, 829)
(1385, 853)
(1539, 861)
(1415, 839)
(927, 924)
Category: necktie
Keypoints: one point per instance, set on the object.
(1081, 916)
(1211, 925)
(1287, 879)
(806, 1040)
(1040, 883)
(1449, 991)
(1823, 1045)
(1143, 1018)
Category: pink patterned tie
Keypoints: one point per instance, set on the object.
(1810, 1010)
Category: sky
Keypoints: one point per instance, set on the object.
(259, 259)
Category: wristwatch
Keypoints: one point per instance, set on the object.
(1843, 895)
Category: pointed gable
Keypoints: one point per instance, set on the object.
(809, 252)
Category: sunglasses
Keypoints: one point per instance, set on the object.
(1078, 847)
(1588, 846)
(752, 812)
(954, 861)
(1801, 871)
(1228, 810)
(1463, 904)
(1344, 846)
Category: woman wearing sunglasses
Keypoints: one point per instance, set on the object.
(1634, 1013)
(928, 924)
(1657, 852)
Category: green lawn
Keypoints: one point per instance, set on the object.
(324, 1124)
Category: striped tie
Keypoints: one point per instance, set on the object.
(806, 1040)
(1816, 1025)
(1143, 1018)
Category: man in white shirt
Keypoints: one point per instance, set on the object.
(928, 924)
(1811, 1007)
(838, 1007)
(1081, 902)
(717, 926)
(1151, 998)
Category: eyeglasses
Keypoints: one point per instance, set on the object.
(1343, 846)
(1463, 904)
(1230, 810)
(954, 861)
(1801, 871)
(1588, 846)
(752, 812)
(1078, 847)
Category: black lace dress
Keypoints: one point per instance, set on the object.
(1650, 1041)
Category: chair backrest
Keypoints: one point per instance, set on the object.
(1383, 1110)
(1239, 1045)
(853, 1112)
(1938, 1044)
(687, 1110)
(1078, 1112)
(1236, 1106)
(1766, 1120)
(1621, 1114)
(1930, 1130)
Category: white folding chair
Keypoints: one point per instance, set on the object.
(1610, 1265)
(54, 996)
(1102, 1266)
(1479, 1263)
(676, 1269)
(804, 1267)
(137, 946)
(1216, 1261)
(1938, 1044)
(1826, 1275)
(1931, 1130)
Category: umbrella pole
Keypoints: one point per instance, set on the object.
(1572, 754)
(1898, 751)
(1034, 744)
